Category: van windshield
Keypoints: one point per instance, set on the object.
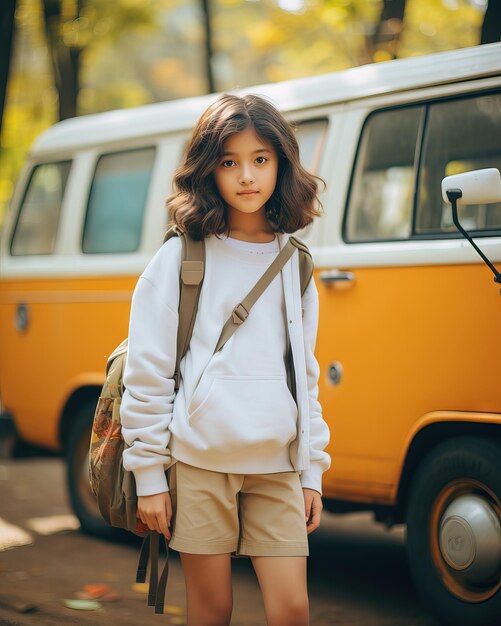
(38, 218)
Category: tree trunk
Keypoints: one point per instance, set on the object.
(491, 27)
(65, 59)
(7, 11)
(206, 11)
(390, 26)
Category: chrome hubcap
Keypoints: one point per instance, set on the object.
(470, 538)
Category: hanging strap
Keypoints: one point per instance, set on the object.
(242, 309)
(150, 550)
(152, 590)
(144, 556)
(162, 582)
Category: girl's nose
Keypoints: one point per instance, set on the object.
(246, 176)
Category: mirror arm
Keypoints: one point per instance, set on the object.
(454, 195)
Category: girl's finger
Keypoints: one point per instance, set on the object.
(162, 525)
(151, 522)
(312, 525)
(158, 525)
(307, 508)
(169, 531)
(315, 519)
(316, 516)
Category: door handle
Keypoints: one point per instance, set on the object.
(21, 317)
(336, 276)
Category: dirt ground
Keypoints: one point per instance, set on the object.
(357, 570)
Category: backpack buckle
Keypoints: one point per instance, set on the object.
(240, 314)
(192, 272)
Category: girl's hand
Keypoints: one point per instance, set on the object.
(313, 509)
(155, 512)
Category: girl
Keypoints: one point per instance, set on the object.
(244, 459)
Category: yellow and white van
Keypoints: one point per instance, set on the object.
(408, 340)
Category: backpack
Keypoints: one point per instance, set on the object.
(112, 485)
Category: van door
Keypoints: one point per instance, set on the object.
(26, 334)
(407, 310)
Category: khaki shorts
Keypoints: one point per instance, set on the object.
(240, 514)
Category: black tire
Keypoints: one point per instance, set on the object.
(460, 468)
(81, 497)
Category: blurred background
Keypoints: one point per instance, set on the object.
(63, 58)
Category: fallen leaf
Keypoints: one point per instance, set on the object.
(140, 587)
(96, 590)
(174, 610)
(83, 605)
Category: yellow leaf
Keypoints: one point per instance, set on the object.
(174, 610)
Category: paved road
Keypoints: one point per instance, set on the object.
(358, 575)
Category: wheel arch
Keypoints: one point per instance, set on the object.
(432, 434)
(79, 397)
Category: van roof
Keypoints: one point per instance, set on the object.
(358, 82)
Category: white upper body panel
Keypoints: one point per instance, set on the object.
(292, 95)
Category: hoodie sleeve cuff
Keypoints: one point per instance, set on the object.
(150, 480)
(312, 479)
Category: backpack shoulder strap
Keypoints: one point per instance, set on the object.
(306, 265)
(172, 231)
(242, 309)
(190, 284)
(115, 365)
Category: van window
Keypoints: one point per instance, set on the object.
(38, 218)
(310, 137)
(117, 201)
(461, 135)
(381, 199)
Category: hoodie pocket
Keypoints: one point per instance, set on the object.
(245, 411)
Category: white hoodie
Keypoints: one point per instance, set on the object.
(233, 411)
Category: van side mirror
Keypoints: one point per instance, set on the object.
(475, 187)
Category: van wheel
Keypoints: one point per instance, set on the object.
(77, 459)
(454, 531)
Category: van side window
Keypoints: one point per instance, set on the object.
(38, 219)
(381, 198)
(117, 201)
(461, 135)
(310, 136)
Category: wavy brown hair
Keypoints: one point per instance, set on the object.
(196, 206)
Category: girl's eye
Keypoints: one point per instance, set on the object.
(261, 159)
(227, 163)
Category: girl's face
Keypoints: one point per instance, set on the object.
(247, 172)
